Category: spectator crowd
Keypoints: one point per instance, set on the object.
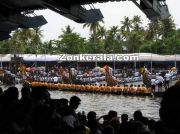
(37, 113)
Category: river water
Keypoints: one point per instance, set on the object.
(102, 103)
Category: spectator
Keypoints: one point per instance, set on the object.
(169, 110)
(93, 124)
(73, 104)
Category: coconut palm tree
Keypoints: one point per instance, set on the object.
(101, 32)
(25, 35)
(21, 38)
(93, 27)
(113, 32)
(67, 30)
(112, 39)
(36, 41)
(154, 30)
(168, 27)
(126, 27)
(136, 23)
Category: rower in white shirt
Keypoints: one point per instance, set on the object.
(167, 78)
(159, 81)
(153, 85)
(55, 79)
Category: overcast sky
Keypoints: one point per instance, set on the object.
(113, 13)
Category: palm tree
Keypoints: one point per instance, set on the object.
(154, 30)
(168, 27)
(25, 35)
(136, 22)
(29, 40)
(93, 27)
(67, 30)
(126, 26)
(113, 32)
(112, 39)
(135, 41)
(36, 41)
(101, 32)
(20, 40)
(18, 43)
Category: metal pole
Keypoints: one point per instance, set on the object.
(135, 65)
(1, 61)
(77, 66)
(175, 61)
(114, 66)
(45, 62)
(96, 63)
(151, 64)
(36, 61)
(45, 56)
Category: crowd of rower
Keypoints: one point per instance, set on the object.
(125, 90)
(94, 76)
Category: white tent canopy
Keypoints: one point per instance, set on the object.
(47, 57)
(157, 57)
(39, 57)
(5, 57)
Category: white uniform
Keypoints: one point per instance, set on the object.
(153, 81)
(55, 79)
(167, 76)
(159, 79)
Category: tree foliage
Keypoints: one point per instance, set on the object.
(161, 37)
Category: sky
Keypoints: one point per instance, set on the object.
(113, 13)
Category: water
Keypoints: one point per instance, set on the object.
(102, 103)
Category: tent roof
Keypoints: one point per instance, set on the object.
(47, 57)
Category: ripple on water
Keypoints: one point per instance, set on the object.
(102, 103)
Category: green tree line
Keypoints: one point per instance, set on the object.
(161, 37)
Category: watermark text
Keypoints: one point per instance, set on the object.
(98, 57)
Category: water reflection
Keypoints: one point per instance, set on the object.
(102, 103)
